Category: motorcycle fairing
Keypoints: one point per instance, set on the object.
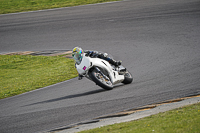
(88, 62)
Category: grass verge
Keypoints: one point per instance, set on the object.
(182, 120)
(11, 6)
(20, 73)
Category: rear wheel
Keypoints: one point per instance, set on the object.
(127, 78)
(100, 80)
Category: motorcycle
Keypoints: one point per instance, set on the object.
(102, 72)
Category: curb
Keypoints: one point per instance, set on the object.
(128, 115)
(65, 53)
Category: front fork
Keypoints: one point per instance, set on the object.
(98, 70)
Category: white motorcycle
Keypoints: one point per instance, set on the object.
(102, 72)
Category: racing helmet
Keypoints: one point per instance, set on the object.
(77, 54)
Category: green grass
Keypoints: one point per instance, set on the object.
(11, 6)
(20, 73)
(182, 120)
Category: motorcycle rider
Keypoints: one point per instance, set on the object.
(77, 54)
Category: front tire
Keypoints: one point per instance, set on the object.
(100, 80)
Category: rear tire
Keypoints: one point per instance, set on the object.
(100, 80)
(127, 78)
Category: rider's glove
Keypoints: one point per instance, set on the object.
(89, 53)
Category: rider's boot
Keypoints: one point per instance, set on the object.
(118, 63)
(115, 63)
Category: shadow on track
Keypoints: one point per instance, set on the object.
(68, 97)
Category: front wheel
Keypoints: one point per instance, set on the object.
(100, 80)
(127, 78)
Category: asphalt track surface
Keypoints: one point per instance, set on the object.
(157, 40)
